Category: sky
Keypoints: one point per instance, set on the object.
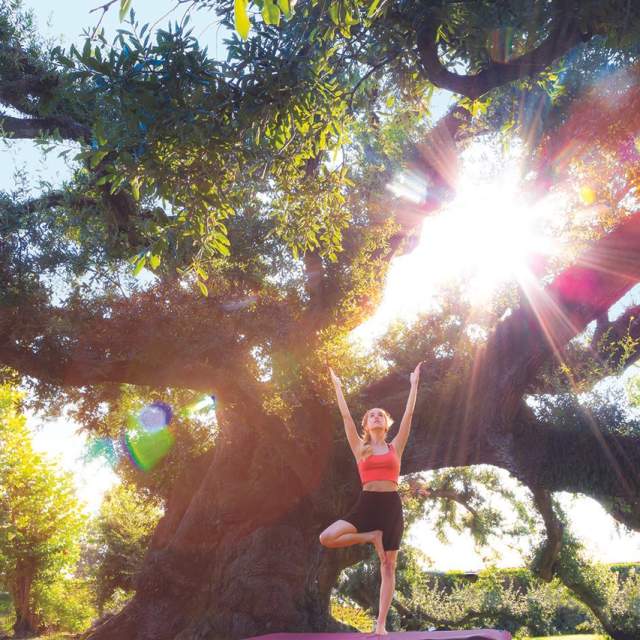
(64, 23)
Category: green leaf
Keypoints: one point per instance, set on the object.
(96, 158)
(333, 12)
(140, 265)
(242, 18)
(124, 7)
(203, 288)
(86, 51)
(202, 273)
(155, 261)
(270, 13)
(372, 8)
(285, 8)
(135, 188)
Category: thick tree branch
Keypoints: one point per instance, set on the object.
(565, 34)
(25, 87)
(315, 282)
(19, 89)
(29, 128)
(625, 511)
(132, 341)
(615, 346)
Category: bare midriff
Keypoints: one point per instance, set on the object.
(380, 485)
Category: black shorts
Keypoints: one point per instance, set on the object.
(379, 510)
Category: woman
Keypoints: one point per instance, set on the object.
(376, 517)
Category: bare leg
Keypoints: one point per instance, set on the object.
(386, 594)
(347, 539)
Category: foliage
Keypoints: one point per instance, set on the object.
(473, 510)
(510, 599)
(66, 604)
(40, 516)
(117, 601)
(123, 530)
(612, 596)
(7, 614)
(345, 610)
(497, 599)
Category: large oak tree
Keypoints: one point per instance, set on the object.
(222, 178)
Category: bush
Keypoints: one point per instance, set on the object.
(65, 605)
(7, 614)
(348, 612)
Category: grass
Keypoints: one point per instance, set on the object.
(577, 637)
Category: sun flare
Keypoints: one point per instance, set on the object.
(491, 232)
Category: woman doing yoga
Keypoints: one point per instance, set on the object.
(376, 517)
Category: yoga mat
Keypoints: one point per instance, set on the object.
(468, 634)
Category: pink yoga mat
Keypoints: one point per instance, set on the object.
(469, 634)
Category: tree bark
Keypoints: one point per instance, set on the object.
(27, 623)
(237, 553)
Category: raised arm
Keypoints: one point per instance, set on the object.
(349, 425)
(400, 441)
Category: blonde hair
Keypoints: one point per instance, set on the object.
(367, 448)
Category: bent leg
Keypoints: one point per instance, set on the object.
(341, 534)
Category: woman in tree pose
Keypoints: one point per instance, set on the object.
(376, 517)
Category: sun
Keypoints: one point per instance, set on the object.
(491, 232)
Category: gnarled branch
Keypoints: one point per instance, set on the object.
(554, 529)
(565, 34)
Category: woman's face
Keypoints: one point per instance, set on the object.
(376, 422)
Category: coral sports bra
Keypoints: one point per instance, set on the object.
(380, 466)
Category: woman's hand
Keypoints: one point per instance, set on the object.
(335, 379)
(415, 375)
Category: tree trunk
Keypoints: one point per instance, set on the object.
(237, 552)
(27, 623)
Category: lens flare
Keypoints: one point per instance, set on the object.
(147, 438)
(155, 416)
(146, 449)
(500, 44)
(101, 448)
(204, 404)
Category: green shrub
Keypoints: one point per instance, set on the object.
(66, 604)
(7, 614)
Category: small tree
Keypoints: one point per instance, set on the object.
(40, 518)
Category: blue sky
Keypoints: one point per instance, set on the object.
(64, 23)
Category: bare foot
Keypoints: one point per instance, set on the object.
(380, 630)
(376, 540)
